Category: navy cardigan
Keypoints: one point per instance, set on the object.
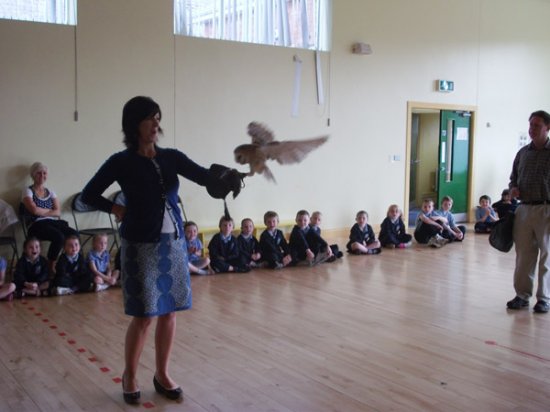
(144, 192)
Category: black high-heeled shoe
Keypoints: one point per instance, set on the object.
(173, 394)
(131, 398)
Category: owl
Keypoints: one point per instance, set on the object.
(264, 147)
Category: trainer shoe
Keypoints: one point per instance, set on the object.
(319, 258)
(101, 287)
(541, 307)
(517, 303)
(60, 291)
(433, 242)
(442, 241)
(374, 251)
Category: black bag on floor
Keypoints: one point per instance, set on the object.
(502, 233)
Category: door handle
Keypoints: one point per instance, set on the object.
(449, 152)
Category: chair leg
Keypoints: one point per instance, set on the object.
(13, 260)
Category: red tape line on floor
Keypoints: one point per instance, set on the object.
(531, 355)
(104, 369)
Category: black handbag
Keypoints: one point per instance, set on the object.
(502, 233)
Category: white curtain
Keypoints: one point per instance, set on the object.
(290, 23)
(46, 11)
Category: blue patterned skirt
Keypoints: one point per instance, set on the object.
(155, 277)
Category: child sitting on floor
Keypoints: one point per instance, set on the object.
(249, 246)
(362, 240)
(274, 247)
(392, 230)
(315, 225)
(305, 244)
(451, 230)
(428, 230)
(99, 263)
(486, 216)
(31, 272)
(505, 205)
(6, 289)
(197, 264)
(224, 250)
(71, 271)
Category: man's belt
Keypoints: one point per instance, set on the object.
(536, 202)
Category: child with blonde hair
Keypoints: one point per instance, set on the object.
(249, 246)
(315, 225)
(392, 230)
(362, 240)
(99, 263)
(428, 230)
(197, 263)
(305, 244)
(451, 230)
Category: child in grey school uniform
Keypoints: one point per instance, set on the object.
(486, 217)
(451, 231)
(428, 230)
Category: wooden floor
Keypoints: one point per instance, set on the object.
(420, 329)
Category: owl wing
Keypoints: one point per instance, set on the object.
(292, 151)
(260, 134)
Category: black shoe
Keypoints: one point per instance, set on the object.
(131, 398)
(173, 394)
(374, 251)
(541, 307)
(517, 303)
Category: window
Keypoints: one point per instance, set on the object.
(290, 23)
(46, 11)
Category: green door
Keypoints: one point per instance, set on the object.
(454, 152)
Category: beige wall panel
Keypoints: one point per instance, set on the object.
(496, 51)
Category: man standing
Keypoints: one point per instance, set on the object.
(530, 182)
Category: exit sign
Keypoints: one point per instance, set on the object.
(445, 86)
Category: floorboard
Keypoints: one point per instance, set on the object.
(419, 329)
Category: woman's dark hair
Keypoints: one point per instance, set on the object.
(134, 112)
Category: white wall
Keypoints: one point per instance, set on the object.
(496, 51)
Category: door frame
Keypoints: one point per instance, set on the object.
(413, 107)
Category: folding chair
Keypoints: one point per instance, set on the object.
(25, 219)
(9, 240)
(8, 219)
(78, 207)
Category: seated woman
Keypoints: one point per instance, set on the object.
(43, 206)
